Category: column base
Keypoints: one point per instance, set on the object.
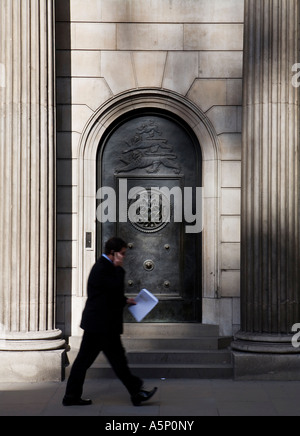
(255, 366)
(265, 357)
(31, 341)
(32, 356)
(32, 366)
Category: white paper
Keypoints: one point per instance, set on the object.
(145, 303)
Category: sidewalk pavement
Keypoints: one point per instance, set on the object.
(177, 398)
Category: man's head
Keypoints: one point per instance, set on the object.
(115, 245)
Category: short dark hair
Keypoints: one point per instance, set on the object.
(114, 244)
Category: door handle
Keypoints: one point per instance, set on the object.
(148, 265)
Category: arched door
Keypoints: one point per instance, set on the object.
(148, 168)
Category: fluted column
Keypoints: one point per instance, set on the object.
(27, 177)
(270, 254)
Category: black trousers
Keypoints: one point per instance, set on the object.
(92, 344)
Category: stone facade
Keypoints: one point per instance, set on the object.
(192, 51)
(67, 72)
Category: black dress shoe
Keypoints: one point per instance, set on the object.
(142, 396)
(71, 401)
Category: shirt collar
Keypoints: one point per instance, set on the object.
(104, 255)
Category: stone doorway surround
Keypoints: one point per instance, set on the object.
(89, 143)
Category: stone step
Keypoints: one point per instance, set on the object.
(174, 357)
(166, 330)
(159, 344)
(159, 336)
(157, 350)
(147, 371)
(150, 344)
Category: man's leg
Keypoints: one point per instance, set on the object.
(115, 353)
(89, 350)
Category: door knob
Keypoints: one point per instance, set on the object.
(166, 284)
(148, 265)
(130, 282)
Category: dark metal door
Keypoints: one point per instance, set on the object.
(148, 159)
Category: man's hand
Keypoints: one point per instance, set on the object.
(118, 259)
(131, 302)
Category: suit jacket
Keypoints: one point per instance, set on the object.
(103, 312)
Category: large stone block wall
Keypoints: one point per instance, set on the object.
(191, 47)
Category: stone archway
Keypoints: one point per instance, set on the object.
(94, 130)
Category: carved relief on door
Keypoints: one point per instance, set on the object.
(148, 149)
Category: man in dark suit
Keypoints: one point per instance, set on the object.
(102, 322)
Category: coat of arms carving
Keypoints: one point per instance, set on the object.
(148, 149)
